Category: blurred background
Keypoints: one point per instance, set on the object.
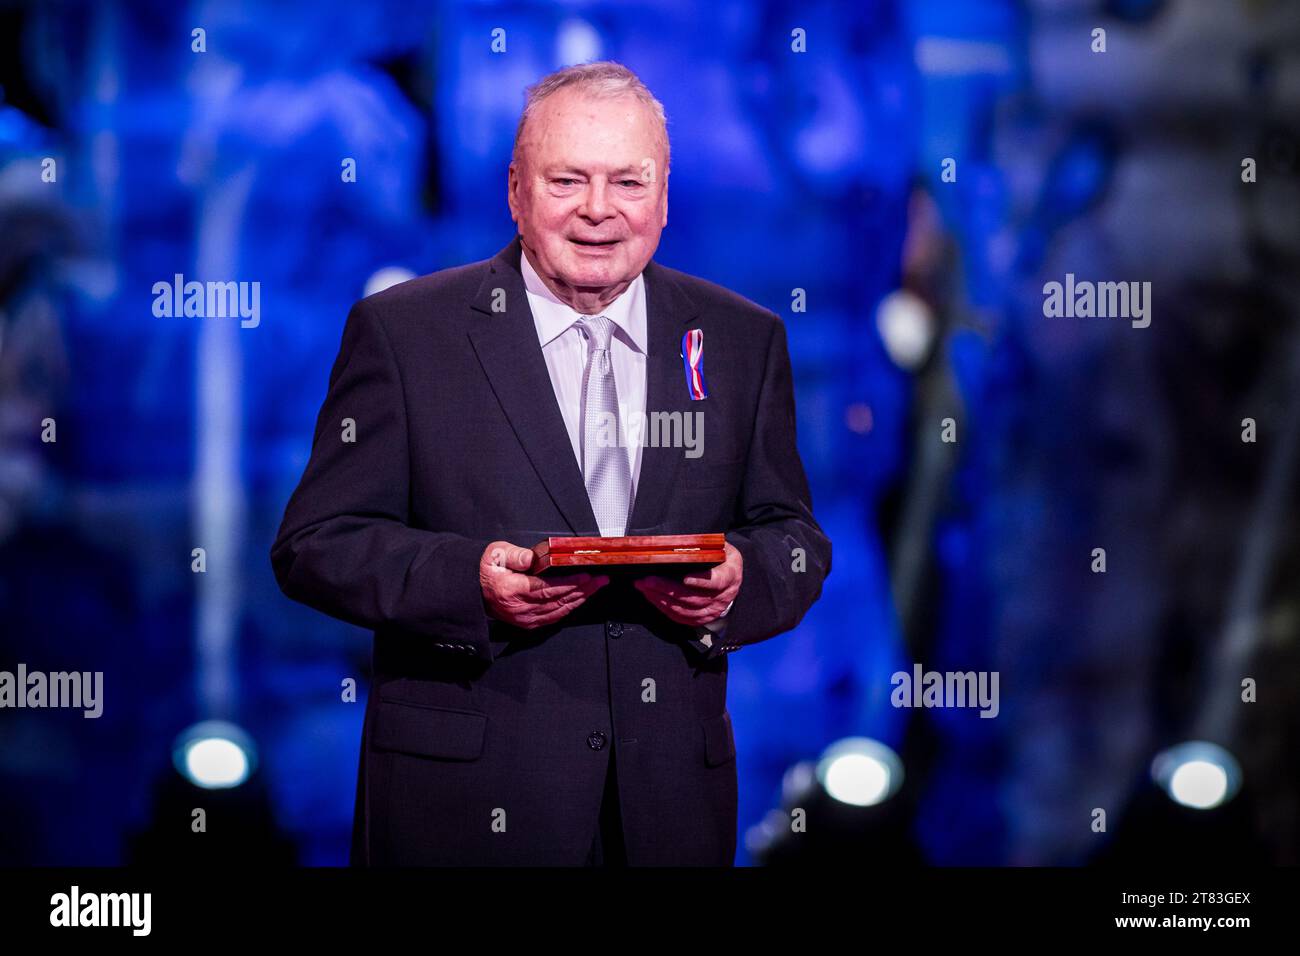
(919, 170)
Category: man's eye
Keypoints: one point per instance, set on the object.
(564, 182)
(630, 182)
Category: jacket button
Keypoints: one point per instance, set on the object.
(596, 740)
(614, 630)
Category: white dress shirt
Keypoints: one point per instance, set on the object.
(565, 351)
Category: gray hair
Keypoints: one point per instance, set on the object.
(603, 79)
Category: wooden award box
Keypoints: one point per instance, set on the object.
(679, 551)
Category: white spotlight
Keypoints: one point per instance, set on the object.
(387, 277)
(576, 42)
(1197, 774)
(214, 755)
(906, 328)
(860, 771)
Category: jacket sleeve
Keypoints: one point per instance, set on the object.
(345, 546)
(786, 555)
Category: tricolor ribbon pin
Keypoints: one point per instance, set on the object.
(693, 362)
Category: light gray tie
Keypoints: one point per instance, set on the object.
(605, 468)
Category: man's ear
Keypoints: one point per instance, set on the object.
(665, 216)
(512, 184)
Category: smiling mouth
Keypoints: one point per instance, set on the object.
(594, 244)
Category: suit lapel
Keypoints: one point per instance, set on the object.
(507, 348)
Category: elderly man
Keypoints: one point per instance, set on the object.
(578, 719)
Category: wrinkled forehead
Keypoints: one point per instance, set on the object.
(586, 131)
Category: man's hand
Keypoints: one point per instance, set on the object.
(696, 599)
(525, 600)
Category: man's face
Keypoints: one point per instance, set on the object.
(589, 192)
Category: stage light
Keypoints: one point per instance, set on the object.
(577, 41)
(841, 808)
(860, 772)
(387, 277)
(906, 328)
(762, 836)
(1197, 774)
(214, 755)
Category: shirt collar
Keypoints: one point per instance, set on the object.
(553, 316)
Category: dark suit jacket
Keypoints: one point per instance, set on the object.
(488, 744)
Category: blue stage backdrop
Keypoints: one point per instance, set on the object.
(1068, 502)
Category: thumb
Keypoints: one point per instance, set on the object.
(518, 559)
(504, 556)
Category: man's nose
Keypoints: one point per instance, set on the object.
(595, 203)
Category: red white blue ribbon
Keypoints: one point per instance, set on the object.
(693, 362)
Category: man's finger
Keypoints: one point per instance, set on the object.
(561, 605)
(561, 610)
(580, 577)
(688, 603)
(691, 600)
(716, 580)
(679, 609)
(674, 614)
(519, 559)
(721, 575)
(504, 556)
(680, 592)
(548, 588)
(545, 590)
